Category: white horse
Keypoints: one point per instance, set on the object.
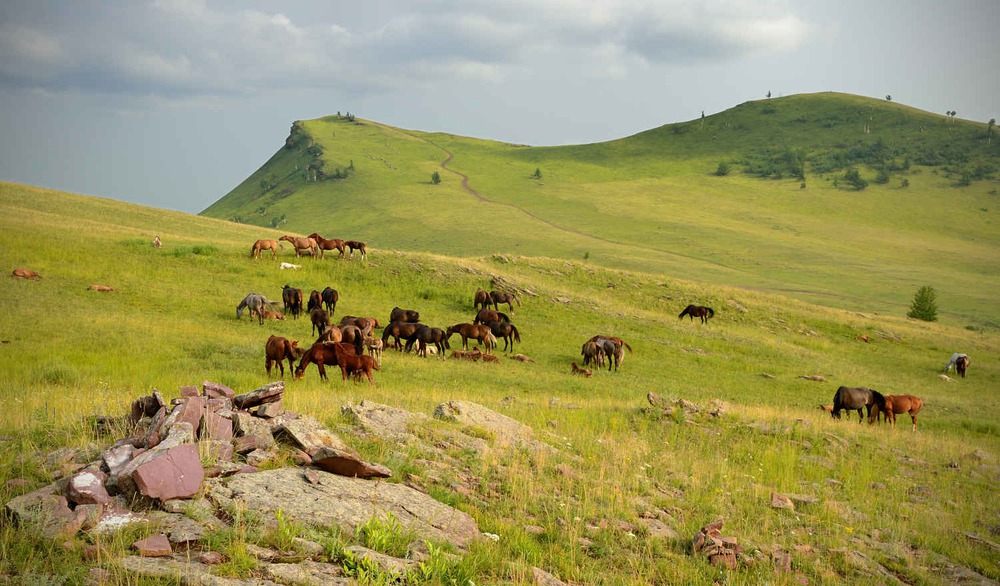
(288, 265)
(953, 360)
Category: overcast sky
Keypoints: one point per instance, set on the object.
(171, 103)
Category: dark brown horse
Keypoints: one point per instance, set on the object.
(322, 244)
(613, 338)
(485, 316)
(858, 398)
(278, 349)
(498, 297)
(354, 364)
(320, 354)
(897, 404)
(357, 245)
(507, 331)
(397, 330)
(481, 299)
(330, 298)
(479, 332)
(962, 364)
(301, 245)
(694, 311)
(426, 335)
(262, 245)
(407, 315)
(292, 298)
(320, 320)
(592, 352)
(314, 301)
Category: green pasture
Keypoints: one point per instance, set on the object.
(907, 502)
(653, 203)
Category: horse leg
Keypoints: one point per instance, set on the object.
(267, 365)
(913, 416)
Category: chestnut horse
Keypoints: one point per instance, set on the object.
(479, 332)
(485, 316)
(896, 404)
(24, 274)
(694, 311)
(354, 364)
(262, 245)
(320, 354)
(301, 245)
(322, 244)
(367, 324)
(278, 349)
(482, 298)
(314, 301)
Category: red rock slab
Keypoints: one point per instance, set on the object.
(177, 473)
(154, 546)
(217, 391)
(347, 463)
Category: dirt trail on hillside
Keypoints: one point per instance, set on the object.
(480, 197)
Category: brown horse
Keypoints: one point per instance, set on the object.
(581, 371)
(367, 324)
(507, 331)
(278, 349)
(407, 315)
(271, 314)
(301, 245)
(397, 330)
(314, 301)
(479, 332)
(357, 245)
(498, 297)
(896, 404)
(354, 364)
(858, 398)
(485, 316)
(694, 311)
(262, 245)
(320, 320)
(320, 354)
(292, 298)
(24, 274)
(322, 244)
(592, 352)
(330, 298)
(425, 335)
(962, 364)
(481, 299)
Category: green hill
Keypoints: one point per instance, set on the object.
(785, 218)
(627, 485)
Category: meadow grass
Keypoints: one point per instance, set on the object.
(903, 499)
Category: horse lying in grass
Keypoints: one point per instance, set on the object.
(581, 371)
(24, 274)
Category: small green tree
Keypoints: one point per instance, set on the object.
(538, 173)
(435, 178)
(722, 170)
(853, 176)
(924, 305)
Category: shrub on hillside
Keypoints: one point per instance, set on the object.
(924, 305)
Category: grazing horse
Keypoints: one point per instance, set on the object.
(896, 404)
(314, 301)
(355, 365)
(330, 297)
(24, 274)
(292, 298)
(592, 352)
(375, 348)
(262, 245)
(301, 245)
(485, 316)
(481, 299)
(320, 320)
(357, 245)
(405, 315)
(960, 361)
(426, 335)
(478, 332)
(613, 351)
(397, 330)
(367, 324)
(278, 349)
(618, 340)
(256, 304)
(507, 331)
(319, 354)
(322, 244)
(498, 297)
(694, 311)
(857, 398)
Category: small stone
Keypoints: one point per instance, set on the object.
(154, 546)
(211, 558)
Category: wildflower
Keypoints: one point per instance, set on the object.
(491, 536)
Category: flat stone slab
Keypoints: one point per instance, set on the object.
(348, 502)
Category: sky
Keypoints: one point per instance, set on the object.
(172, 103)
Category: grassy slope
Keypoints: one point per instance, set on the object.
(171, 322)
(650, 202)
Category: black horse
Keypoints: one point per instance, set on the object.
(427, 335)
(507, 331)
(330, 298)
(858, 398)
(694, 311)
(397, 330)
(404, 315)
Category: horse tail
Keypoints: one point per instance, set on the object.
(517, 335)
(627, 346)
